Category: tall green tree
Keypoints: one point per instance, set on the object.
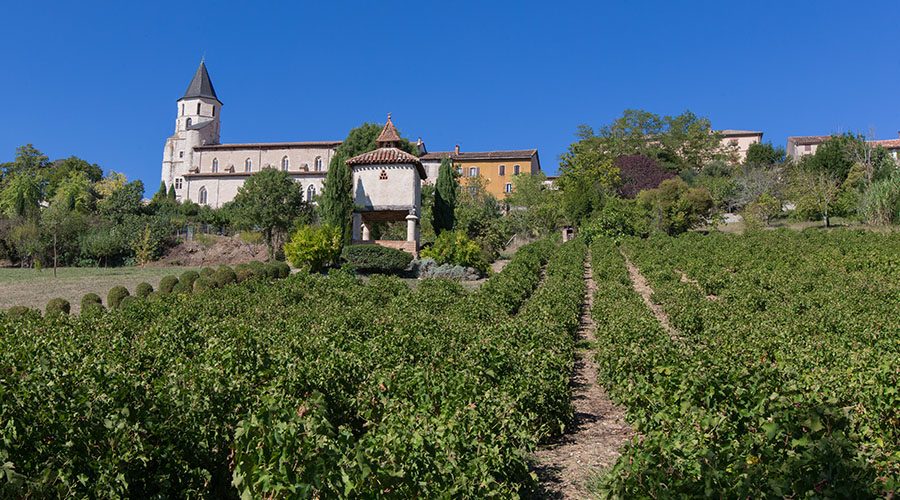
(445, 192)
(74, 193)
(21, 197)
(269, 201)
(172, 195)
(59, 172)
(29, 160)
(161, 194)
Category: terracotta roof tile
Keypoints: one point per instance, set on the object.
(887, 143)
(389, 134)
(387, 156)
(518, 154)
(803, 140)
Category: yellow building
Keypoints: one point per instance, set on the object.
(496, 168)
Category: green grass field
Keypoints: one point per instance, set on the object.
(32, 288)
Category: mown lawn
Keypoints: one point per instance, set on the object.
(32, 288)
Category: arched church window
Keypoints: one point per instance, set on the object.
(215, 166)
(318, 163)
(248, 165)
(285, 163)
(201, 196)
(187, 124)
(198, 108)
(214, 111)
(310, 193)
(383, 175)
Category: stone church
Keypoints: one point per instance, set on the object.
(209, 173)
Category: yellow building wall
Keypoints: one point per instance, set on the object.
(490, 172)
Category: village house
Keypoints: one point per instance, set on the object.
(495, 168)
(741, 140)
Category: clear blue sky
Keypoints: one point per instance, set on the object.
(100, 81)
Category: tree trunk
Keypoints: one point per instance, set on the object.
(54, 255)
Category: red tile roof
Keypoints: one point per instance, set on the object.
(887, 143)
(389, 134)
(518, 154)
(387, 156)
(803, 140)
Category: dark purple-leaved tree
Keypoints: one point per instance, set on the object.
(637, 173)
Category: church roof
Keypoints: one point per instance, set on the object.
(388, 156)
(201, 85)
(388, 134)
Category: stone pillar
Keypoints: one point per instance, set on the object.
(357, 222)
(365, 232)
(412, 233)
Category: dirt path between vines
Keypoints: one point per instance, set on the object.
(642, 287)
(566, 465)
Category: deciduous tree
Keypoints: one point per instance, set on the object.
(269, 201)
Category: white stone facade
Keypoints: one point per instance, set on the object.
(207, 172)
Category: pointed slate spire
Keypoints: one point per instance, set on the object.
(389, 137)
(201, 85)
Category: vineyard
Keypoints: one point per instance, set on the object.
(308, 386)
(778, 377)
(781, 378)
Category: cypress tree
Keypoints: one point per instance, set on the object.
(445, 189)
(336, 202)
(160, 195)
(172, 192)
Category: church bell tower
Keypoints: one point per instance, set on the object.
(197, 124)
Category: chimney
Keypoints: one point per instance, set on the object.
(456, 150)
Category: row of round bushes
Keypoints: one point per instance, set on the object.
(188, 282)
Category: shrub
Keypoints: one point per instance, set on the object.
(116, 294)
(203, 284)
(428, 268)
(182, 288)
(676, 207)
(167, 284)
(143, 290)
(271, 270)
(224, 276)
(259, 268)
(454, 247)
(128, 301)
(90, 299)
(283, 268)
(207, 272)
(881, 202)
(57, 307)
(243, 272)
(616, 219)
(313, 247)
(21, 312)
(189, 277)
(376, 258)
